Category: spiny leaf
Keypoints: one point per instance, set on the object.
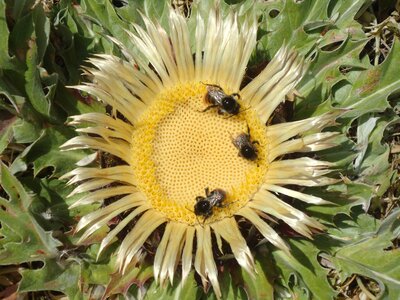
(33, 84)
(23, 238)
(374, 168)
(6, 62)
(45, 152)
(53, 276)
(6, 132)
(371, 253)
(302, 274)
(370, 90)
(304, 22)
(121, 283)
(261, 285)
(188, 291)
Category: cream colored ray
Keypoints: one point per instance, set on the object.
(295, 194)
(121, 225)
(122, 92)
(199, 38)
(248, 35)
(147, 223)
(299, 167)
(117, 173)
(271, 235)
(181, 42)
(148, 49)
(187, 255)
(98, 218)
(292, 73)
(230, 57)
(100, 195)
(224, 52)
(281, 132)
(160, 254)
(316, 181)
(163, 44)
(90, 185)
(199, 260)
(145, 86)
(173, 252)
(218, 239)
(107, 134)
(270, 204)
(107, 98)
(208, 262)
(229, 231)
(310, 143)
(118, 148)
(143, 66)
(103, 120)
(267, 78)
(211, 46)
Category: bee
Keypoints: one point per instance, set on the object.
(226, 104)
(246, 146)
(204, 205)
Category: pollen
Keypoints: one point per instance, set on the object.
(179, 150)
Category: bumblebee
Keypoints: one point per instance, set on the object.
(226, 104)
(246, 146)
(204, 205)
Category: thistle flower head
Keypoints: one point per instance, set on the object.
(197, 153)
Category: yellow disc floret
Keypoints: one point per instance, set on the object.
(179, 150)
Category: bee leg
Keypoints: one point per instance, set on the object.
(204, 221)
(226, 204)
(198, 221)
(236, 94)
(220, 111)
(208, 107)
(189, 210)
(199, 198)
(210, 84)
(248, 129)
(207, 190)
(255, 142)
(228, 117)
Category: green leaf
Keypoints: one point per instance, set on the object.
(33, 83)
(304, 22)
(370, 91)
(302, 274)
(25, 131)
(49, 207)
(6, 62)
(372, 254)
(42, 30)
(374, 168)
(325, 74)
(45, 152)
(261, 285)
(103, 14)
(6, 127)
(53, 276)
(23, 239)
(188, 291)
(121, 283)
(344, 197)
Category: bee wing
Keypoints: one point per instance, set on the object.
(216, 94)
(239, 141)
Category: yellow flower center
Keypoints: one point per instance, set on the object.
(179, 151)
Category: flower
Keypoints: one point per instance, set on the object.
(178, 150)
